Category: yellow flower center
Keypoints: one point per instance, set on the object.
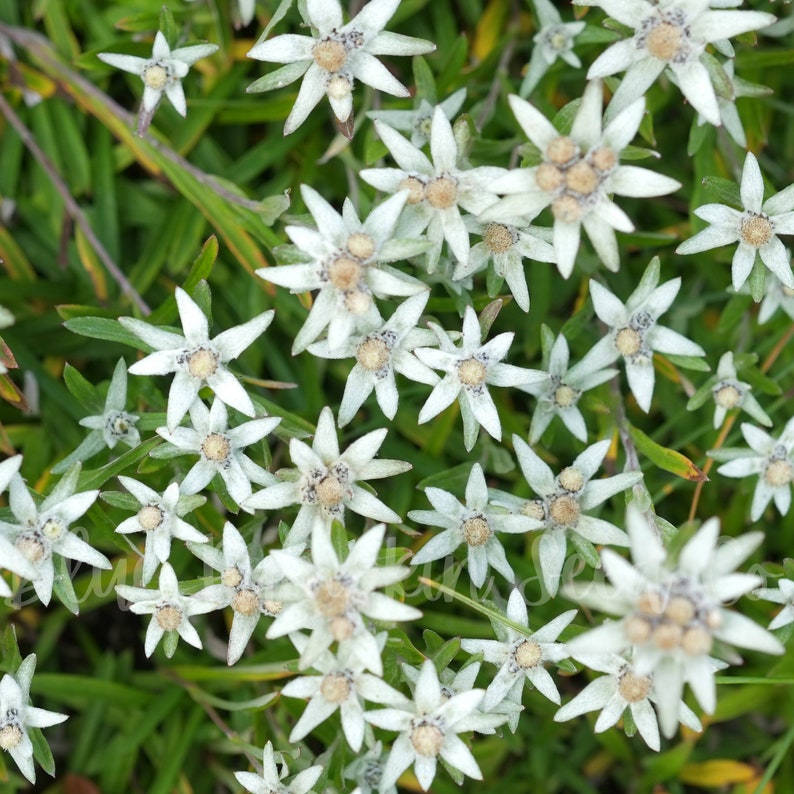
(150, 517)
(10, 736)
(442, 192)
(330, 492)
(216, 447)
(361, 245)
(335, 687)
(169, 617)
(472, 372)
(628, 341)
(345, 273)
(415, 188)
(476, 531)
(567, 209)
(696, 641)
(564, 510)
(727, 396)
(571, 479)
(664, 41)
(372, 354)
(246, 602)
(427, 739)
(778, 473)
(155, 76)
(549, 177)
(564, 396)
(533, 509)
(604, 159)
(581, 178)
(528, 654)
(231, 577)
(329, 54)
(31, 548)
(756, 230)
(52, 529)
(634, 688)
(562, 150)
(498, 238)
(202, 363)
(331, 598)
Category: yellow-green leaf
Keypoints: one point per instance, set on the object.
(665, 458)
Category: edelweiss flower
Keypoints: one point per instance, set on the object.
(379, 354)
(247, 590)
(17, 715)
(329, 597)
(325, 481)
(160, 518)
(420, 121)
(553, 40)
(428, 730)
(437, 190)
(220, 450)
(782, 594)
(114, 425)
(622, 688)
(634, 334)
(12, 559)
(756, 227)
(335, 56)
(44, 530)
(772, 459)
(520, 656)
(196, 359)
(161, 74)
(778, 295)
(342, 686)
(346, 267)
(559, 395)
(671, 615)
(576, 177)
(563, 500)
(366, 771)
(670, 34)
(506, 245)
(469, 370)
(475, 524)
(271, 781)
(169, 609)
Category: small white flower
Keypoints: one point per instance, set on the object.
(563, 503)
(578, 174)
(782, 594)
(438, 189)
(160, 518)
(330, 598)
(196, 359)
(670, 34)
(17, 715)
(778, 295)
(43, 530)
(428, 729)
(161, 74)
(520, 656)
(271, 781)
(113, 426)
(342, 686)
(474, 524)
(12, 559)
(756, 227)
(378, 355)
(420, 121)
(169, 609)
(671, 615)
(634, 334)
(553, 40)
(468, 371)
(622, 689)
(772, 459)
(220, 449)
(325, 482)
(559, 395)
(366, 771)
(506, 244)
(335, 56)
(248, 590)
(346, 267)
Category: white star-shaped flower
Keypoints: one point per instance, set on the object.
(521, 656)
(560, 394)
(196, 359)
(366, 771)
(756, 228)
(331, 598)
(438, 189)
(777, 296)
(347, 267)
(577, 175)
(782, 594)
(12, 559)
(474, 524)
(670, 34)
(325, 482)
(271, 781)
(170, 610)
(563, 503)
(17, 715)
(634, 333)
(161, 74)
(468, 371)
(220, 449)
(772, 459)
(672, 614)
(335, 56)
(160, 518)
(43, 530)
(622, 688)
(379, 354)
(428, 729)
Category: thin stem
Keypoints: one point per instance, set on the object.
(72, 207)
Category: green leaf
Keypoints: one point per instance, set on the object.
(757, 280)
(85, 393)
(105, 329)
(488, 316)
(725, 190)
(168, 27)
(664, 458)
(689, 362)
(701, 395)
(425, 82)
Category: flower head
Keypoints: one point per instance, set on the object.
(196, 359)
(271, 781)
(756, 228)
(335, 56)
(12, 559)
